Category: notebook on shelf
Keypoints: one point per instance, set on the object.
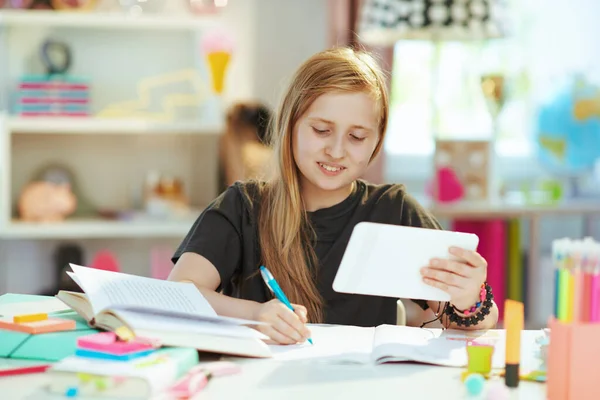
(175, 313)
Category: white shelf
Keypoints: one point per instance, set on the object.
(91, 125)
(93, 229)
(96, 20)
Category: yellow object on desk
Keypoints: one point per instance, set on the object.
(21, 319)
(124, 333)
(479, 358)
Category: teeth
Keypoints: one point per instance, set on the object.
(329, 168)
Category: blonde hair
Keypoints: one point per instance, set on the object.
(285, 235)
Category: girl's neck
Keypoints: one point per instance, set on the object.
(315, 198)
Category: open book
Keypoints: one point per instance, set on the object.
(175, 313)
(390, 343)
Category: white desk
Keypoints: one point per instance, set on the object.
(302, 380)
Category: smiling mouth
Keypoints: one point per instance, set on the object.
(331, 168)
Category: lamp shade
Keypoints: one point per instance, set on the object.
(383, 22)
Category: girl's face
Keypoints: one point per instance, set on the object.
(334, 141)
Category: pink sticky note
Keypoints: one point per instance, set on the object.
(107, 342)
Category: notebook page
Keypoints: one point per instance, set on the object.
(332, 344)
(106, 289)
(406, 343)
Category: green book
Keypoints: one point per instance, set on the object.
(48, 347)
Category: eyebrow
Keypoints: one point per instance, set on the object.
(333, 123)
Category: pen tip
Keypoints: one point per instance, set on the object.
(310, 341)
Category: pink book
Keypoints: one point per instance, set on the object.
(53, 86)
(107, 342)
(492, 247)
(49, 100)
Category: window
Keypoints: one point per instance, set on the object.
(552, 41)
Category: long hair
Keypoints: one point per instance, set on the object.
(285, 234)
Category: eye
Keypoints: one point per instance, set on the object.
(358, 138)
(320, 131)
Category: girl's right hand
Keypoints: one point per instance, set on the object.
(284, 325)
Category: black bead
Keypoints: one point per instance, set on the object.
(480, 317)
(474, 320)
(467, 323)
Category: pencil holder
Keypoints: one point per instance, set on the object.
(572, 355)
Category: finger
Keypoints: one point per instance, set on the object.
(472, 257)
(448, 278)
(276, 335)
(440, 285)
(301, 312)
(295, 324)
(457, 267)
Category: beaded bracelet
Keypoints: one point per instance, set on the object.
(470, 318)
(482, 294)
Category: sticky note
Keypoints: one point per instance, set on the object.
(20, 319)
(45, 326)
(124, 333)
(108, 342)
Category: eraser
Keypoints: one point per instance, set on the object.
(474, 384)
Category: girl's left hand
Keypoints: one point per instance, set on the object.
(461, 278)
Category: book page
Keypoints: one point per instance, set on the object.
(448, 347)
(164, 323)
(106, 289)
(405, 343)
(331, 344)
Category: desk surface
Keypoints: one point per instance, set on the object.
(302, 380)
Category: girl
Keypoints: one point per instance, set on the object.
(328, 128)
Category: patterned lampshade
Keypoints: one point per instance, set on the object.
(383, 22)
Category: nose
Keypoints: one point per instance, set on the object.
(335, 147)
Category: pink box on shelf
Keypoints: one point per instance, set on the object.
(573, 353)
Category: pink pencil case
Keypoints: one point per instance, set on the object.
(109, 343)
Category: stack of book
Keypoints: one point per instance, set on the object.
(52, 95)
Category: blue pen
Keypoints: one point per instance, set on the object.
(274, 287)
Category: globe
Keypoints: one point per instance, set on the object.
(567, 129)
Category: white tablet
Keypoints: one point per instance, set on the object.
(385, 260)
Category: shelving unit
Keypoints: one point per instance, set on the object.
(100, 41)
(91, 125)
(103, 20)
(94, 229)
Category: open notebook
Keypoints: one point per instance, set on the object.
(390, 343)
(176, 313)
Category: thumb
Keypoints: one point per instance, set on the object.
(301, 312)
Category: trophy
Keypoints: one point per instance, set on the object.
(494, 92)
(493, 87)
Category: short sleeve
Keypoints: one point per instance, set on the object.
(216, 234)
(414, 214)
